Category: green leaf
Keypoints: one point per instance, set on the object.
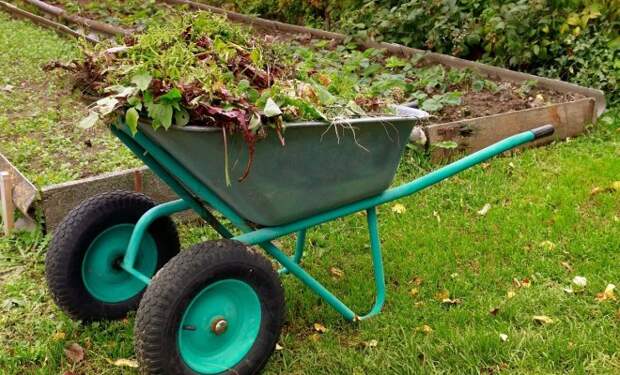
(142, 80)
(325, 97)
(256, 57)
(432, 105)
(271, 108)
(135, 101)
(171, 97)
(451, 98)
(89, 121)
(478, 85)
(181, 117)
(161, 114)
(131, 119)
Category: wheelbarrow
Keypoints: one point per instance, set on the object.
(218, 307)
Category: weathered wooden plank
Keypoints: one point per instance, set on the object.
(15, 11)
(24, 192)
(6, 197)
(58, 200)
(569, 119)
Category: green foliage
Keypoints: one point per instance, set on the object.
(575, 40)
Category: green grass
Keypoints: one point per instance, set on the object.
(39, 110)
(536, 196)
(539, 195)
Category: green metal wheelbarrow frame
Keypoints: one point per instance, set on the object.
(193, 193)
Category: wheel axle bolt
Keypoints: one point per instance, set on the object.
(219, 326)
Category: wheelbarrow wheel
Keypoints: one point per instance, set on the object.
(216, 308)
(82, 265)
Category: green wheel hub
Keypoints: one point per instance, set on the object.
(219, 326)
(102, 275)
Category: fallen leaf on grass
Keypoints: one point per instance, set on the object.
(567, 265)
(417, 280)
(436, 214)
(615, 185)
(414, 292)
(58, 336)
(336, 272)
(123, 362)
(580, 281)
(547, 245)
(398, 208)
(442, 295)
(484, 210)
(319, 328)
(453, 302)
(74, 352)
(542, 319)
(494, 311)
(503, 337)
(7, 88)
(525, 283)
(607, 294)
(596, 190)
(510, 294)
(370, 344)
(425, 329)
(279, 347)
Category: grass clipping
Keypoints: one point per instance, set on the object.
(202, 70)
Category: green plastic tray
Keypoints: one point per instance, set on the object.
(321, 167)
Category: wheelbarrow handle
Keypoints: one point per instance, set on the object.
(543, 131)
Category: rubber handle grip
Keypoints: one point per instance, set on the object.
(543, 131)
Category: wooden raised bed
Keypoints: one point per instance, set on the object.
(570, 119)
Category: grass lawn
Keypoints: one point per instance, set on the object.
(38, 111)
(554, 214)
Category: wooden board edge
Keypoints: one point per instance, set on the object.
(24, 192)
(57, 200)
(570, 120)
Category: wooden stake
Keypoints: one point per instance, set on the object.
(6, 196)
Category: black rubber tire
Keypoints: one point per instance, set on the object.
(175, 285)
(74, 235)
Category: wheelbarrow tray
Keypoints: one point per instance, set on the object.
(322, 166)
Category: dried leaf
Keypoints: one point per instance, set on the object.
(547, 245)
(426, 329)
(58, 336)
(370, 344)
(510, 294)
(414, 292)
(580, 281)
(417, 280)
(442, 295)
(336, 272)
(607, 294)
(567, 265)
(399, 208)
(319, 328)
(542, 319)
(436, 214)
(123, 362)
(279, 347)
(271, 108)
(615, 185)
(596, 190)
(503, 337)
(7, 88)
(448, 301)
(74, 352)
(89, 121)
(494, 311)
(485, 209)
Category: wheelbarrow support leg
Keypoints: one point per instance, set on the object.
(377, 263)
(299, 250)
